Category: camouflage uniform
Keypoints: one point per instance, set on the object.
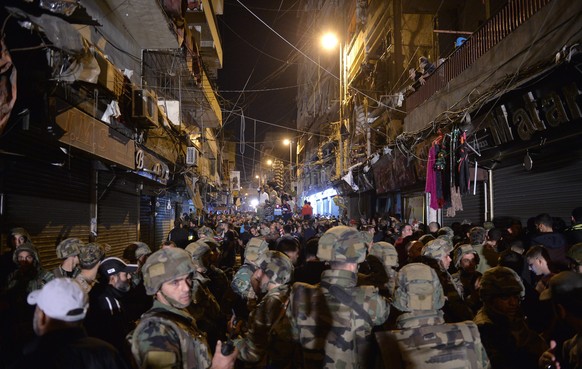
(29, 279)
(463, 279)
(423, 339)
(333, 321)
(269, 331)
(455, 309)
(205, 308)
(241, 282)
(65, 249)
(509, 342)
(167, 336)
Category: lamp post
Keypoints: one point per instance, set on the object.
(329, 41)
(290, 143)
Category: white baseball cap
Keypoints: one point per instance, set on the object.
(61, 299)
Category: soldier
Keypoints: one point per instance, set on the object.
(381, 262)
(205, 309)
(333, 321)
(465, 260)
(509, 342)
(268, 328)
(89, 261)
(242, 281)
(29, 276)
(68, 251)
(436, 255)
(575, 257)
(423, 339)
(166, 335)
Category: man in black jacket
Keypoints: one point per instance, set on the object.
(62, 343)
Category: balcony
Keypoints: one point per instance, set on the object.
(490, 34)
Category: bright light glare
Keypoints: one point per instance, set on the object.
(286, 141)
(254, 203)
(329, 40)
(257, 176)
(269, 162)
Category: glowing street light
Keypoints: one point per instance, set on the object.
(329, 42)
(290, 143)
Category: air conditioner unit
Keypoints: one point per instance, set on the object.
(191, 156)
(144, 108)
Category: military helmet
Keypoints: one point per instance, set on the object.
(142, 249)
(205, 231)
(461, 251)
(437, 249)
(255, 248)
(418, 288)
(69, 247)
(477, 235)
(446, 232)
(27, 246)
(386, 252)
(165, 265)
(575, 253)
(91, 253)
(500, 281)
(20, 231)
(343, 244)
(277, 266)
(197, 249)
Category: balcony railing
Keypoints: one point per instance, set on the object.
(515, 13)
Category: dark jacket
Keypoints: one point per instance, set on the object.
(69, 349)
(556, 244)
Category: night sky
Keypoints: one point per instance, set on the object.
(260, 63)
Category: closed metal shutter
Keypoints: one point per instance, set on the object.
(473, 208)
(553, 186)
(147, 230)
(50, 202)
(117, 212)
(164, 220)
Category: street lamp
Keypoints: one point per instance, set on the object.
(329, 41)
(290, 143)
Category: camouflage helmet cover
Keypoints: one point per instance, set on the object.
(477, 235)
(500, 281)
(142, 249)
(446, 232)
(277, 266)
(386, 252)
(20, 231)
(343, 244)
(461, 251)
(205, 231)
(29, 247)
(165, 265)
(437, 249)
(197, 249)
(418, 288)
(91, 253)
(254, 249)
(69, 247)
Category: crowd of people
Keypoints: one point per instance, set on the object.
(246, 291)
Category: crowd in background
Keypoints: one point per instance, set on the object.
(503, 276)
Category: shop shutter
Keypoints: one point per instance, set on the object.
(164, 219)
(117, 212)
(147, 220)
(553, 187)
(473, 208)
(50, 202)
